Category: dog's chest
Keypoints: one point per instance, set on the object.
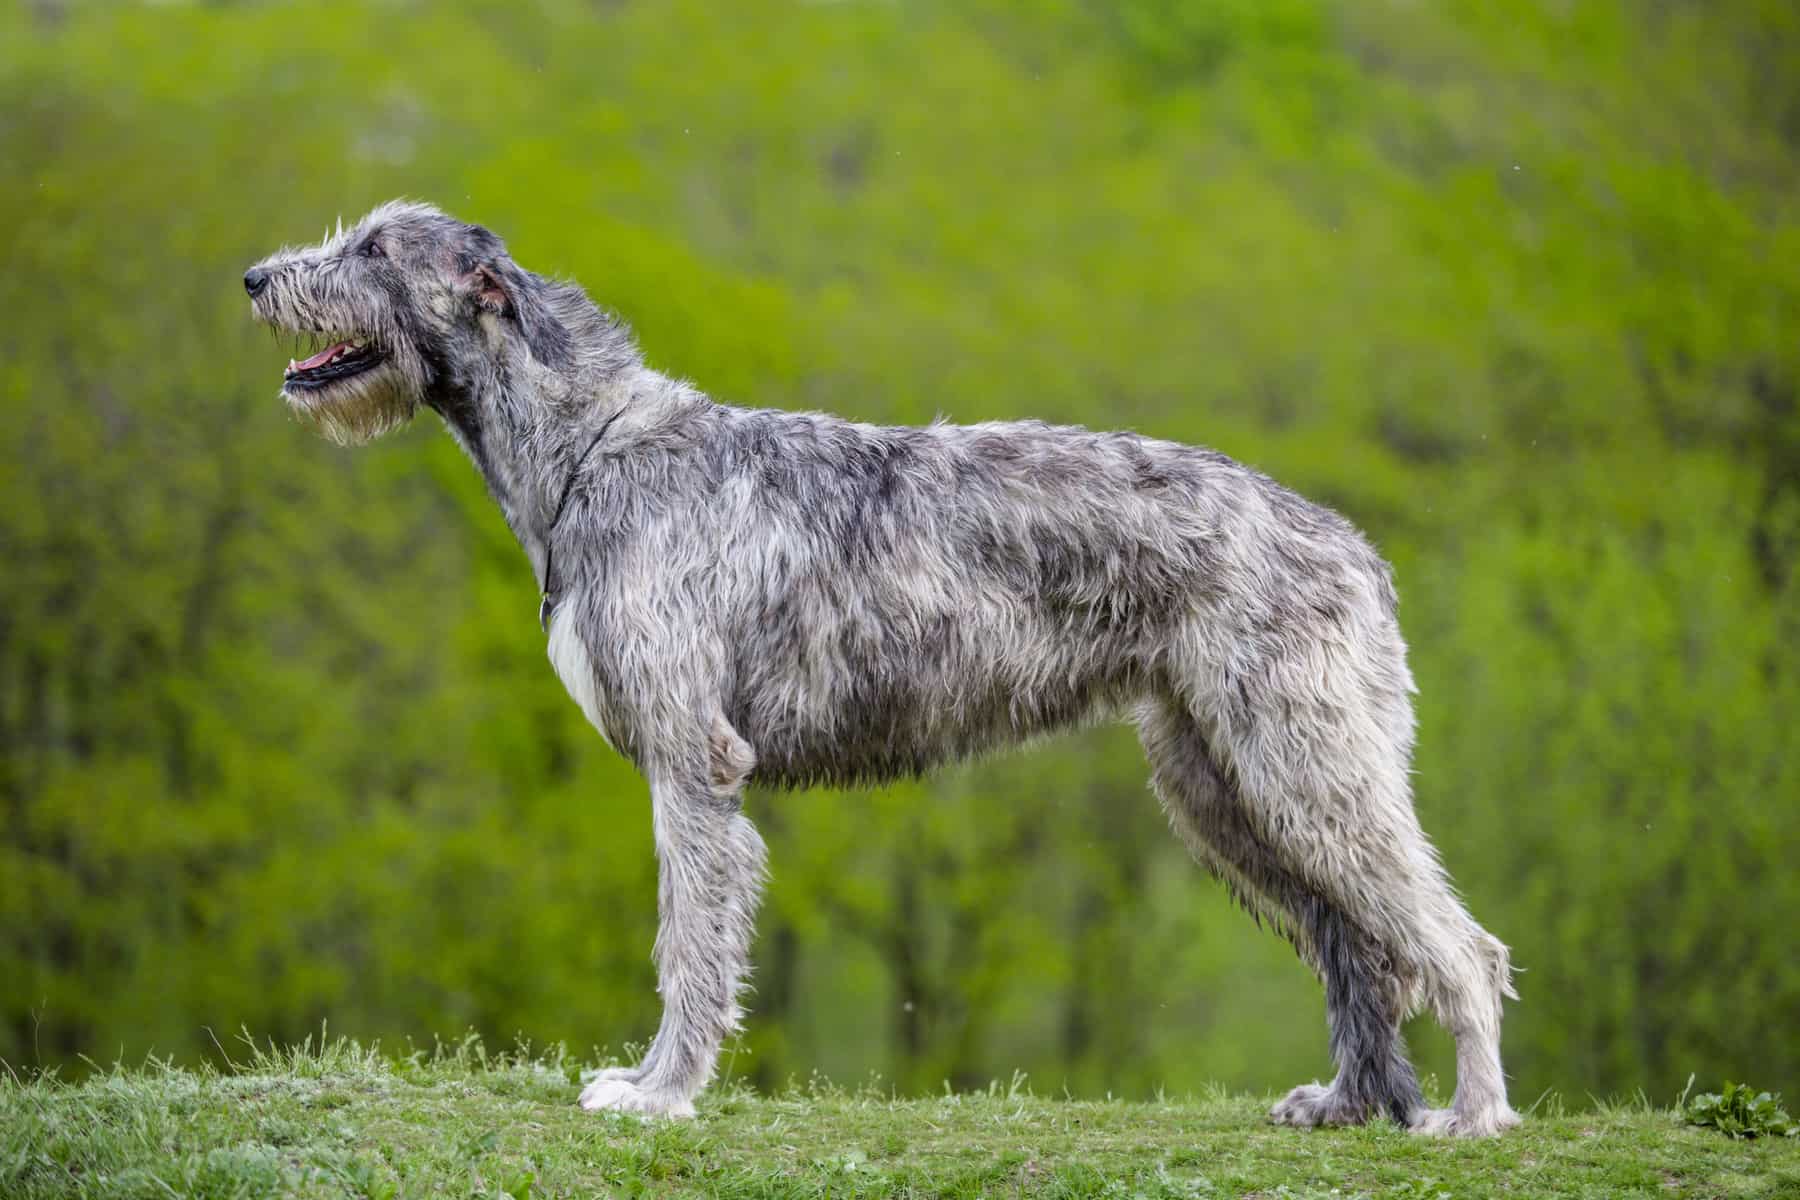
(569, 656)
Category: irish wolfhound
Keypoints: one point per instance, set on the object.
(736, 595)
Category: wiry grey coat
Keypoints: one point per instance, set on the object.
(786, 598)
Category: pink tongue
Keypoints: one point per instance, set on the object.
(322, 357)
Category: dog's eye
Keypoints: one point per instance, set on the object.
(370, 249)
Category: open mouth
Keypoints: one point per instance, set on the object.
(341, 360)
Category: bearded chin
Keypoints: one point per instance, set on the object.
(355, 412)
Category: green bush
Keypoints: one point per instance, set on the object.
(1741, 1112)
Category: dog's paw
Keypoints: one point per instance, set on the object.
(1309, 1105)
(1300, 1106)
(1313, 1104)
(625, 1095)
(1450, 1122)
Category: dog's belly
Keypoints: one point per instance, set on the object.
(875, 727)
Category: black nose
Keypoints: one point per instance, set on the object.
(255, 280)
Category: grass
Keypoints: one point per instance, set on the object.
(348, 1121)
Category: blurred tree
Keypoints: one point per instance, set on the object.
(1513, 289)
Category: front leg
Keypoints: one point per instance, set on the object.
(711, 864)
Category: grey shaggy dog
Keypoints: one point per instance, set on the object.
(737, 595)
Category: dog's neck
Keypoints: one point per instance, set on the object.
(525, 406)
(533, 432)
(524, 448)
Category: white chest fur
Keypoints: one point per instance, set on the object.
(573, 666)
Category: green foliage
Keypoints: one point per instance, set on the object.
(1741, 1112)
(1511, 288)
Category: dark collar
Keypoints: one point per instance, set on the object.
(547, 588)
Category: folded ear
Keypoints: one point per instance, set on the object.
(500, 287)
(489, 292)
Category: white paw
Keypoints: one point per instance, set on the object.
(1305, 1106)
(622, 1095)
(1435, 1122)
(1448, 1122)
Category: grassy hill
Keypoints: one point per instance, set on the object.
(1512, 286)
(351, 1122)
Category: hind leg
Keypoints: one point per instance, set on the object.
(1365, 1000)
(1470, 1009)
(1364, 1005)
(1321, 783)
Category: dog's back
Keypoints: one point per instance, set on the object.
(889, 598)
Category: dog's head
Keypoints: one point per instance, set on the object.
(394, 312)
